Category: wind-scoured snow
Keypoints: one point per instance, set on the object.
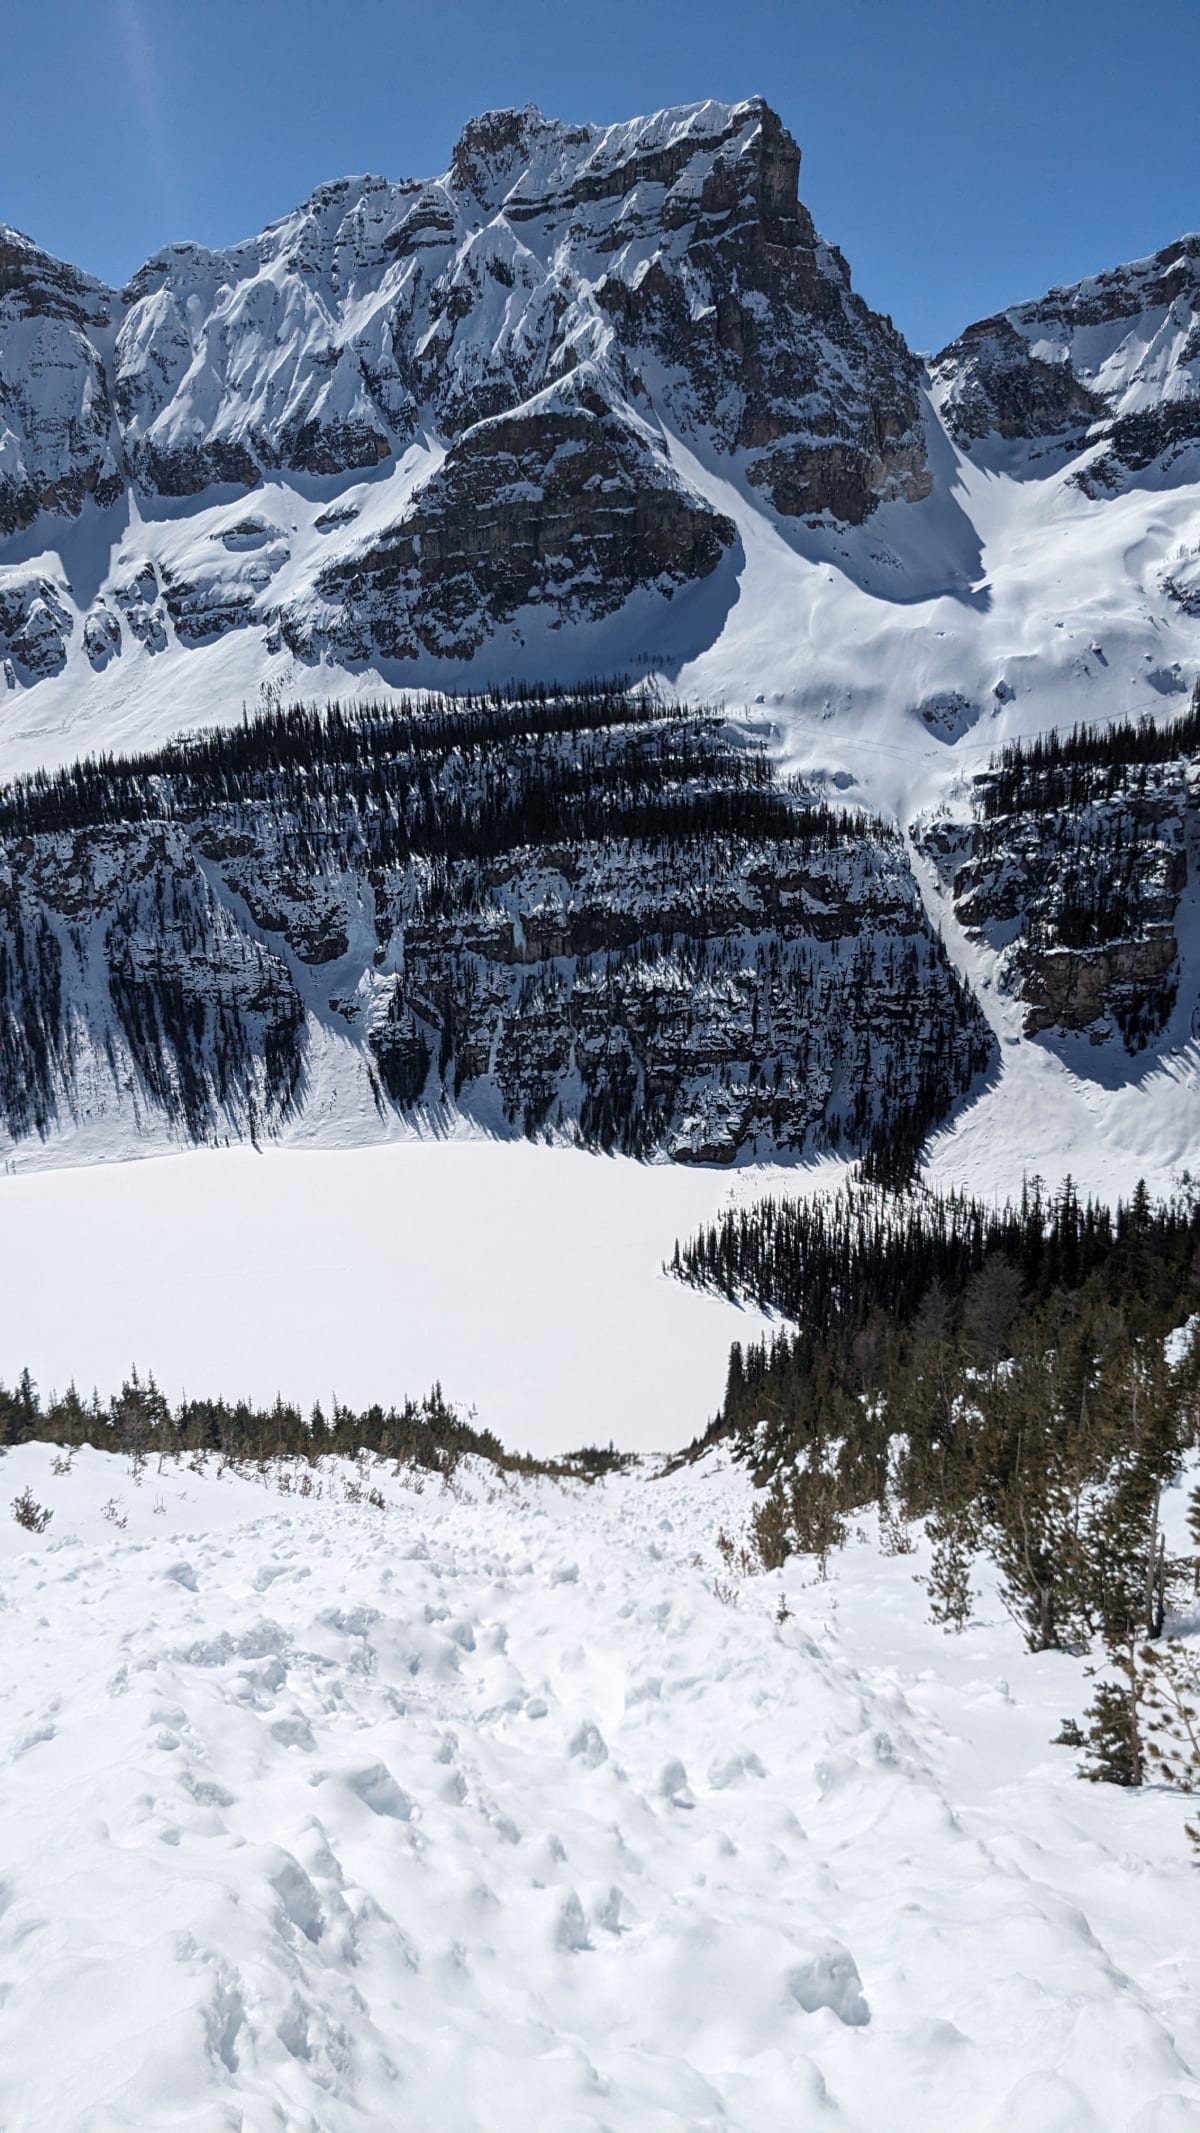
(509, 1805)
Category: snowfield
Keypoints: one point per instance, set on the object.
(485, 1810)
(895, 656)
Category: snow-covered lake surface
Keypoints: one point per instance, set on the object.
(527, 1280)
(484, 1812)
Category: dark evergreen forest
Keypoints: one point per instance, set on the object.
(1072, 770)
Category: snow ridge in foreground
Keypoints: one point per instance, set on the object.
(484, 1810)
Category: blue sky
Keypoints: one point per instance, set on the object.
(963, 153)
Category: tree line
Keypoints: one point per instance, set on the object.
(1069, 770)
(469, 779)
(140, 1422)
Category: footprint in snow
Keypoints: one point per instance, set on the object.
(298, 1897)
(673, 1785)
(830, 1979)
(572, 1933)
(589, 1745)
(377, 1789)
(724, 1771)
(36, 1738)
(293, 1732)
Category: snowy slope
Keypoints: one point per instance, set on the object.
(878, 650)
(891, 701)
(483, 1810)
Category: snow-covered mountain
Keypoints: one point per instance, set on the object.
(379, 313)
(595, 399)
(516, 332)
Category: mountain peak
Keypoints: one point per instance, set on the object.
(1110, 363)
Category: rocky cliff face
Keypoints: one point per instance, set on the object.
(58, 442)
(548, 414)
(675, 243)
(566, 507)
(575, 916)
(1073, 863)
(1110, 366)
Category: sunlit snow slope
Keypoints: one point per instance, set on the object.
(486, 1810)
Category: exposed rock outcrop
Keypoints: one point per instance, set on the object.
(545, 307)
(1072, 864)
(58, 443)
(35, 623)
(565, 507)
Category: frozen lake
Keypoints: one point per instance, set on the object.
(526, 1279)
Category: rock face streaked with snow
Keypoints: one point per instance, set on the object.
(581, 918)
(595, 400)
(1110, 366)
(1079, 872)
(57, 438)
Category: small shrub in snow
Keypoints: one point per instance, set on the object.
(949, 1580)
(801, 1513)
(1171, 1677)
(1069, 1735)
(29, 1513)
(772, 1531)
